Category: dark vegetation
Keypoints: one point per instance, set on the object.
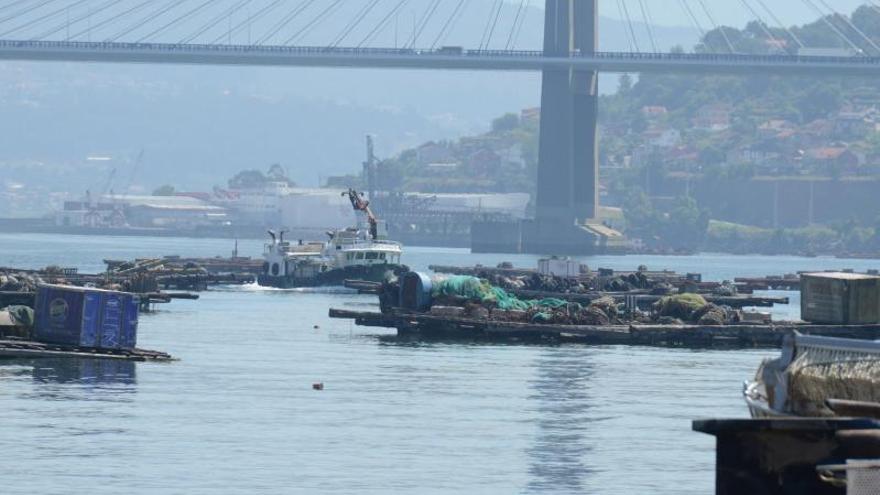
(638, 175)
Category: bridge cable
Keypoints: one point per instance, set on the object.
(495, 23)
(25, 11)
(515, 23)
(248, 21)
(690, 14)
(382, 23)
(648, 27)
(353, 23)
(493, 16)
(12, 4)
(71, 22)
(715, 25)
(626, 33)
(761, 24)
(313, 23)
(780, 23)
(831, 25)
(143, 22)
(444, 30)
(99, 25)
(176, 20)
(287, 19)
(162, 10)
(41, 18)
(630, 24)
(519, 27)
(849, 23)
(213, 22)
(423, 22)
(233, 30)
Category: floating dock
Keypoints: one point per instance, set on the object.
(421, 325)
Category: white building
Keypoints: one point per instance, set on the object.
(140, 211)
(663, 138)
(321, 209)
(260, 205)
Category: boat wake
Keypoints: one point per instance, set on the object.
(334, 289)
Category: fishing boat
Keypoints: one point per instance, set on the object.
(816, 376)
(350, 253)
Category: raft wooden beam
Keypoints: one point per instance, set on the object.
(475, 270)
(32, 349)
(738, 335)
(769, 282)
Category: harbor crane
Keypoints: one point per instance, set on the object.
(360, 204)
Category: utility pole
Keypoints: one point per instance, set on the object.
(370, 169)
(810, 209)
(776, 204)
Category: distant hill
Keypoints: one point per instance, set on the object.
(199, 125)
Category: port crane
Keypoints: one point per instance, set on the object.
(360, 204)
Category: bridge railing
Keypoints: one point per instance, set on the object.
(450, 52)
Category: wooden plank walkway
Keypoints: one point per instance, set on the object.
(740, 336)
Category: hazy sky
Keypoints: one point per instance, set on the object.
(730, 12)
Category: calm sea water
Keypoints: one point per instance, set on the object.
(237, 413)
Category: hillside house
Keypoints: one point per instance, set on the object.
(834, 160)
(853, 124)
(530, 115)
(714, 117)
(654, 112)
(775, 127)
(663, 138)
(484, 162)
(433, 152)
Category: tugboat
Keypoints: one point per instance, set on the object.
(349, 253)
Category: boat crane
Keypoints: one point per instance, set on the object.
(360, 204)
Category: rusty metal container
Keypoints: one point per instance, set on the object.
(781, 456)
(839, 298)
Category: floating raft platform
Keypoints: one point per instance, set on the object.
(645, 300)
(31, 349)
(426, 326)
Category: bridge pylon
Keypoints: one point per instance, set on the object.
(568, 165)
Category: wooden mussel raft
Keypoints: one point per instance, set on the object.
(563, 275)
(68, 321)
(149, 278)
(420, 325)
(463, 307)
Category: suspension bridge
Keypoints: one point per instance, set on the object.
(367, 34)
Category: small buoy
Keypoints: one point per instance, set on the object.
(318, 386)
(316, 327)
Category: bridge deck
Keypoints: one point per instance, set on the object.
(498, 60)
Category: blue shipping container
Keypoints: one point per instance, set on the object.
(86, 317)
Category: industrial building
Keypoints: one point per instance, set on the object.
(117, 211)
